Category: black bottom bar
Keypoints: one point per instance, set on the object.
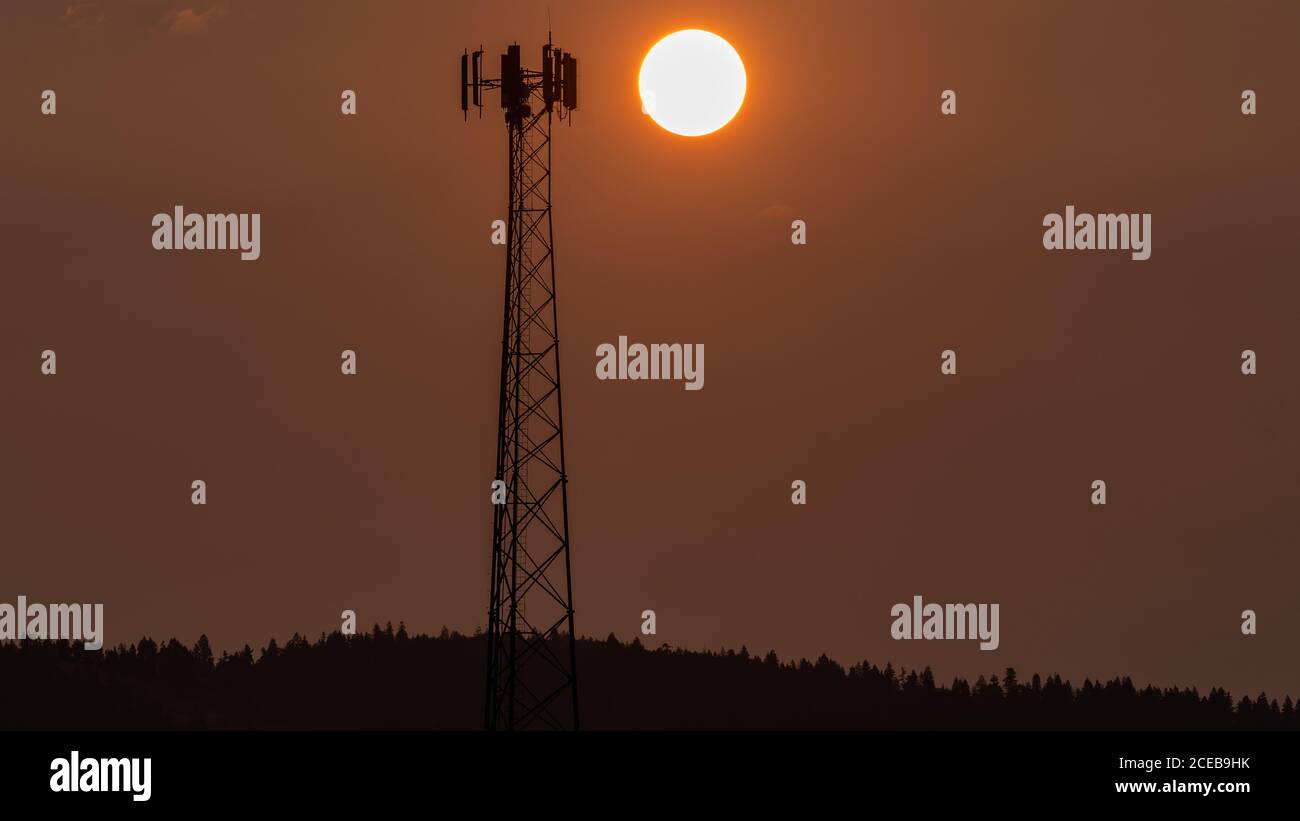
(444, 770)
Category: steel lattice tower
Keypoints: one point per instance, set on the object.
(531, 669)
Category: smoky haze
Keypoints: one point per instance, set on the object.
(370, 492)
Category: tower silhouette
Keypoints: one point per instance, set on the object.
(531, 670)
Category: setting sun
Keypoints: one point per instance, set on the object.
(692, 82)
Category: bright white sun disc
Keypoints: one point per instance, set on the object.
(692, 82)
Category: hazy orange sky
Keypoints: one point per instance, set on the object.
(371, 493)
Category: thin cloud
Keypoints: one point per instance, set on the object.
(193, 20)
(179, 17)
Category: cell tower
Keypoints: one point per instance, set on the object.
(531, 671)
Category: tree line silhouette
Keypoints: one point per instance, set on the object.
(388, 679)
